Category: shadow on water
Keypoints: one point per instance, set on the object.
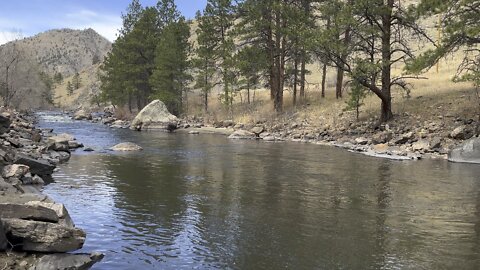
(209, 203)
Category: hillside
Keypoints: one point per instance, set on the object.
(61, 51)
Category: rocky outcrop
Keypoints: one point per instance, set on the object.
(67, 261)
(468, 152)
(154, 116)
(82, 115)
(126, 146)
(28, 212)
(38, 236)
(29, 221)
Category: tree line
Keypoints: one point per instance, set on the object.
(248, 44)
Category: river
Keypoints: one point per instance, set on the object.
(206, 202)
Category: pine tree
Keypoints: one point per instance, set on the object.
(204, 61)
(380, 36)
(76, 81)
(170, 77)
(251, 63)
(70, 88)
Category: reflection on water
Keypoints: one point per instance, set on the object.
(208, 203)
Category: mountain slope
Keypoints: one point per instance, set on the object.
(41, 57)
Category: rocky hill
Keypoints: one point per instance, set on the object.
(61, 51)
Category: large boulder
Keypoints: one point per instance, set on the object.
(126, 146)
(154, 116)
(242, 134)
(468, 152)
(15, 170)
(60, 210)
(28, 235)
(82, 115)
(37, 166)
(67, 261)
(29, 212)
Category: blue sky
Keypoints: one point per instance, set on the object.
(29, 17)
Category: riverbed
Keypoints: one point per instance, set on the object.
(206, 202)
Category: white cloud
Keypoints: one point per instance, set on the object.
(6, 35)
(105, 25)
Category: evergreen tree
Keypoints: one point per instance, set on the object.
(70, 88)
(250, 62)
(76, 81)
(380, 34)
(170, 77)
(218, 22)
(204, 61)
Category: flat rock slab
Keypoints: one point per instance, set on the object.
(40, 236)
(126, 146)
(37, 166)
(67, 261)
(29, 212)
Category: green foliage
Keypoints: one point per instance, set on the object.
(76, 81)
(70, 88)
(170, 77)
(358, 93)
(58, 78)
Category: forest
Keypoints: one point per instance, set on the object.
(235, 47)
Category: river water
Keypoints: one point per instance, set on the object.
(206, 202)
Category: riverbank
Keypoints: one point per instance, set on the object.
(35, 231)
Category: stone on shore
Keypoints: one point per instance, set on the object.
(28, 212)
(154, 116)
(67, 261)
(82, 115)
(37, 166)
(242, 134)
(15, 170)
(126, 146)
(468, 152)
(40, 236)
(60, 210)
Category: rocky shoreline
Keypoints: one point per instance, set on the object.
(405, 138)
(35, 231)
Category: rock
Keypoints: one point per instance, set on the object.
(154, 116)
(66, 136)
(126, 146)
(239, 126)
(257, 130)
(28, 212)
(37, 180)
(39, 167)
(361, 141)
(74, 145)
(461, 133)
(60, 210)
(228, 123)
(269, 138)
(468, 152)
(404, 138)
(3, 238)
(58, 143)
(435, 143)
(381, 137)
(380, 148)
(421, 145)
(67, 261)
(61, 156)
(15, 170)
(82, 115)
(40, 236)
(88, 149)
(194, 132)
(242, 134)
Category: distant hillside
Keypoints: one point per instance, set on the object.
(62, 51)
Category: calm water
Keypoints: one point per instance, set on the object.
(205, 202)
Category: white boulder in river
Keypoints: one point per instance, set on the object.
(126, 146)
(154, 116)
(468, 152)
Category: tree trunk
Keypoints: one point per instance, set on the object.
(324, 79)
(386, 110)
(248, 92)
(302, 77)
(295, 81)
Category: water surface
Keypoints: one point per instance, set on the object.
(206, 202)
